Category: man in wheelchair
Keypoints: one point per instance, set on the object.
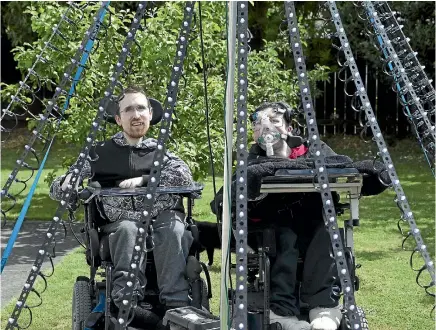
(125, 161)
(296, 220)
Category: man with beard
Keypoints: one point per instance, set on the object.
(125, 161)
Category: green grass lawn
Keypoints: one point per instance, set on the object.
(391, 298)
(41, 207)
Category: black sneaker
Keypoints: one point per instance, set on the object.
(144, 318)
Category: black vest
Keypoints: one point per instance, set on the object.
(112, 163)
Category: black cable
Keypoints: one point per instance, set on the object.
(207, 111)
(208, 138)
(71, 219)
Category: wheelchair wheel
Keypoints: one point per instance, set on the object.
(363, 324)
(82, 304)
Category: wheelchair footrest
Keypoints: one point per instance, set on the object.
(191, 318)
(93, 318)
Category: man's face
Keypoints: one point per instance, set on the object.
(269, 120)
(135, 115)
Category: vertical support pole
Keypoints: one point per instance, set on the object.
(231, 41)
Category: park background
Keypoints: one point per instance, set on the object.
(389, 294)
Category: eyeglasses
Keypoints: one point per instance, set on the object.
(132, 108)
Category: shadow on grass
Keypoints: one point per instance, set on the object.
(31, 237)
(372, 255)
(427, 299)
(216, 266)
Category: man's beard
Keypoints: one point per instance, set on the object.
(136, 132)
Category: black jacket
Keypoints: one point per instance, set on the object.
(112, 163)
(115, 160)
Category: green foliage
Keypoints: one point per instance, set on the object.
(270, 72)
(50, 177)
(267, 18)
(16, 26)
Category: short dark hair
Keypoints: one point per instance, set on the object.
(130, 90)
(289, 112)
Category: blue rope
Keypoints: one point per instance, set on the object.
(17, 227)
(380, 40)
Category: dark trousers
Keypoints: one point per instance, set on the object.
(318, 282)
(172, 242)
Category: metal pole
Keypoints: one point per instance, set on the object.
(231, 41)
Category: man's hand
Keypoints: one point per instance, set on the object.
(132, 183)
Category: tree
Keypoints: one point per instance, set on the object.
(270, 78)
(17, 27)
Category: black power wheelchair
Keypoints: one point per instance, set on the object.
(91, 301)
(92, 307)
(262, 239)
(347, 180)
